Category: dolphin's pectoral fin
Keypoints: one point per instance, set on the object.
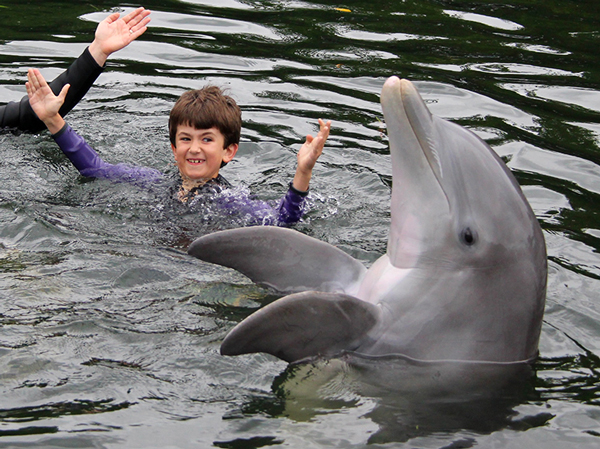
(304, 325)
(281, 258)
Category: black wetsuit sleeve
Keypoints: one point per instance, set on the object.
(80, 75)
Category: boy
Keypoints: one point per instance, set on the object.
(112, 34)
(204, 129)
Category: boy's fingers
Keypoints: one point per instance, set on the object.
(41, 79)
(63, 92)
(320, 145)
(38, 79)
(33, 79)
(325, 128)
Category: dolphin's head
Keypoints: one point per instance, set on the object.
(453, 199)
(460, 221)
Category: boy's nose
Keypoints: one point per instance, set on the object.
(196, 146)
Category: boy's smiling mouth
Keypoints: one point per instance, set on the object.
(196, 161)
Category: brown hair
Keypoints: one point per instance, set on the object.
(205, 108)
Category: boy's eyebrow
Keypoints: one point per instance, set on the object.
(203, 132)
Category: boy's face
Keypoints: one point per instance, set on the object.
(199, 152)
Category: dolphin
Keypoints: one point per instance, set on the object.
(463, 279)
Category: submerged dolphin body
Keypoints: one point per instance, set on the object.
(463, 279)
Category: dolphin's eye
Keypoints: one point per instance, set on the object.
(468, 236)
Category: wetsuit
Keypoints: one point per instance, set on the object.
(90, 164)
(18, 115)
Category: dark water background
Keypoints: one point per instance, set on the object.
(109, 333)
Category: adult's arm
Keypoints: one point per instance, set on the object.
(80, 75)
(112, 34)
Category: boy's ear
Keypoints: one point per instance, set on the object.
(174, 149)
(230, 152)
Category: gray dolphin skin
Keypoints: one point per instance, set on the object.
(463, 278)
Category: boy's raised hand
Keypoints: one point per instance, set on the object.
(43, 101)
(308, 155)
(115, 33)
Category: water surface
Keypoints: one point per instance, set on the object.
(109, 332)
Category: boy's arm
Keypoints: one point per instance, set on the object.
(47, 105)
(112, 34)
(308, 155)
(90, 164)
(292, 205)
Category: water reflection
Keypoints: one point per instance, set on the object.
(404, 401)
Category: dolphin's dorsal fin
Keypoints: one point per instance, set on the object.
(303, 325)
(281, 258)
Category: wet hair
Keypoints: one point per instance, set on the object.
(206, 108)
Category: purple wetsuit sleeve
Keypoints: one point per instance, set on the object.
(258, 212)
(80, 75)
(90, 164)
(292, 206)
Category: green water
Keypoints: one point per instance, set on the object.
(109, 333)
